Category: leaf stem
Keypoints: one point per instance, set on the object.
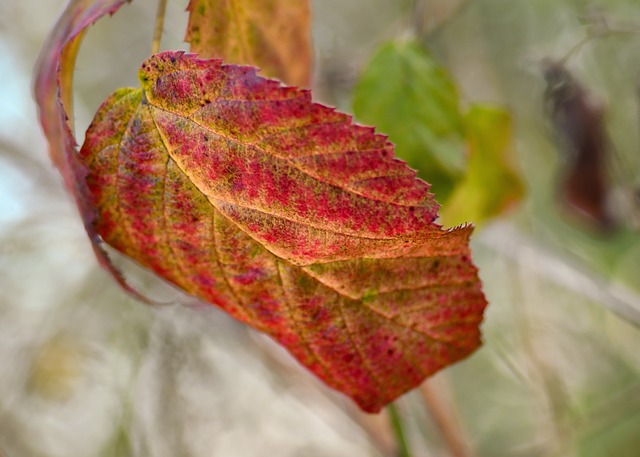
(398, 430)
(157, 31)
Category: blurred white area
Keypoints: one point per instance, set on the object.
(85, 370)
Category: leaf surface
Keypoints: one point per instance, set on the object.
(273, 35)
(53, 78)
(288, 216)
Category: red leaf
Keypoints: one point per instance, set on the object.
(52, 81)
(289, 217)
(53, 93)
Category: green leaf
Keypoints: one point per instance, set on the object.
(492, 183)
(409, 97)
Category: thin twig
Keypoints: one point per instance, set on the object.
(378, 428)
(398, 429)
(157, 32)
(423, 10)
(507, 240)
(598, 28)
(443, 417)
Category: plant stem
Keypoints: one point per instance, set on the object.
(441, 413)
(398, 430)
(157, 31)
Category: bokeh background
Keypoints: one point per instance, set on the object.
(87, 371)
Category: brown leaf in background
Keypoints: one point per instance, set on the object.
(579, 120)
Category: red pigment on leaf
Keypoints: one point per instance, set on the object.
(288, 216)
(53, 93)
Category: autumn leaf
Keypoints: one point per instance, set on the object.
(273, 35)
(53, 93)
(53, 78)
(288, 216)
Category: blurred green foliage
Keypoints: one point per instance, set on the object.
(492, 183)
(467, 157)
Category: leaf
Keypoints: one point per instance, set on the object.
(492, 183)
(285, 214)
(405, 92)
(579, 121)
(53, 77)
(53, 93)
(274, 35)
(412, 99)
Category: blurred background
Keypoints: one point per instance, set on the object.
(87, 371)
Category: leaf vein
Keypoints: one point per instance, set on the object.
(216, 248)
(174, 258)
(116, 193)
(289, 160)
(356, 345)
(380, 313)
(297, 325)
